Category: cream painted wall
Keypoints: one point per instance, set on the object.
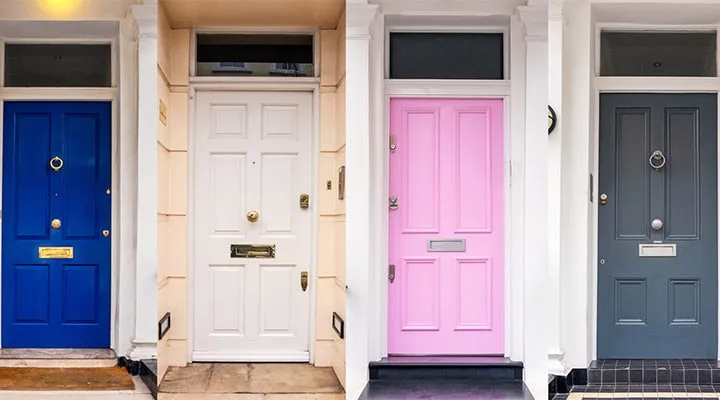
(173, 81)
(173, 48)
(329, 348)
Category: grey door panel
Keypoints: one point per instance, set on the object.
(658, 305)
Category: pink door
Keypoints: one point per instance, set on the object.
(446, 227)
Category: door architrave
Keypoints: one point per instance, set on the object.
(511, 89)
(610, 84)
(122, 211)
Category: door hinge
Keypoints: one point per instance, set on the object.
(510, 173)
(393, 143)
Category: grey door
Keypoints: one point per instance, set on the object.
(651, 303)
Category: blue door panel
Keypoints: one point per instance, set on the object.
(32, 294)
(31, 153)
(80, 288)
(56, 303)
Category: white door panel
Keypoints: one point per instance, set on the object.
(252, 153)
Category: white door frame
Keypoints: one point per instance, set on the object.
(604, 84)
(255, 85)
(121, 211)
(386, 89)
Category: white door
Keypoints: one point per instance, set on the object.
(252, 154)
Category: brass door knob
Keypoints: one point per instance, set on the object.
(55, 223)
(253, 216)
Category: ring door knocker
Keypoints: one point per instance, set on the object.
(657, 160)
(56, 163)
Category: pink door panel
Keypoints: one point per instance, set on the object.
(447, 176)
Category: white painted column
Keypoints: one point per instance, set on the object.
(145, 338)
(535, 342)
(576, 282)
(357, 159)
(555, 31)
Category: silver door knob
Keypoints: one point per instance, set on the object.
(656, 224)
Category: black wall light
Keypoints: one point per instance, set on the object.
(552, 120)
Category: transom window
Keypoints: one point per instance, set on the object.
(446, 55)
(658, 54)
(58, 65)
(255, 55)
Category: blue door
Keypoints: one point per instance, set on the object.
(56, 204)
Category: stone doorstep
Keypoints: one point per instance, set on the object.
(253, 396)
(58, 358)
(302, 380)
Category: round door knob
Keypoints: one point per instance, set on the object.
(55, 223)
(656, 224)
(253, 216)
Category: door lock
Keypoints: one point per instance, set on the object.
(304, 201)
(603, 199)
(105, 233)
(393, 203)
(391, 273)
(304, 280)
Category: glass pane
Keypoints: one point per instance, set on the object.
(255, 55)
(446, 55)
(658, 54)
(58, 65)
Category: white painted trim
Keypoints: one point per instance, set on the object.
(79, 94)
(118, 207)
(447, 88)
(280, 30)
(661, 84)
(280, 83)
(285, 357)
(254, 86)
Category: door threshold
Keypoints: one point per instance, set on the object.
(58, 358)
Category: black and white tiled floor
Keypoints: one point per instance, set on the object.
(636, 396)
(654, 372)
(649, 379)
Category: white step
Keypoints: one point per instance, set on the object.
(58, 358)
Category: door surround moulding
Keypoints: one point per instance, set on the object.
(382, 90)
(122, 206)
(613, 84)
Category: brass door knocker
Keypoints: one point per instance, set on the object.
(56, 163)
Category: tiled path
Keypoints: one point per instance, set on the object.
(643, 395)
(141, 392)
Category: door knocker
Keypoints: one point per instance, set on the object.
(657, 159)
(56, 163)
